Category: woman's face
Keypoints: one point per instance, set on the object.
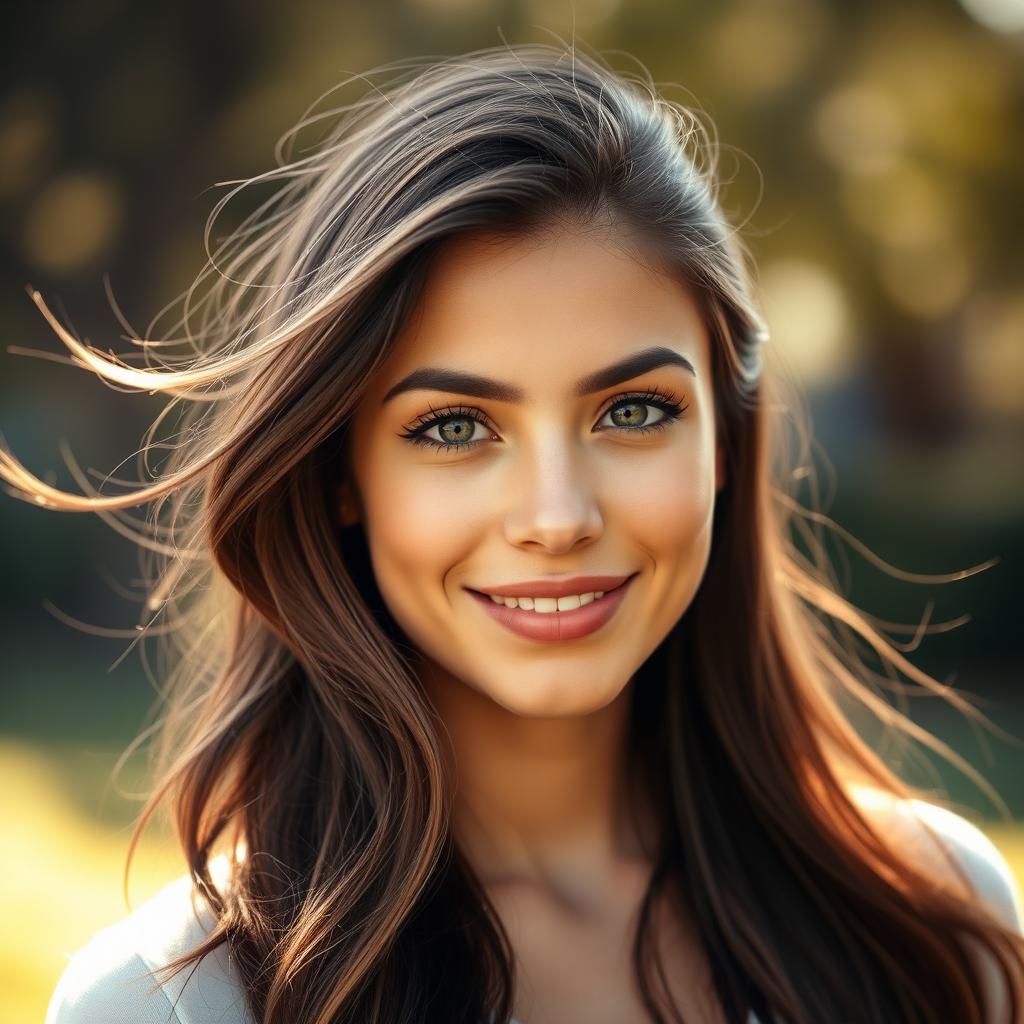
(546, 473)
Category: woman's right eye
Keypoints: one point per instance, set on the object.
(458, 424)
(458, 429)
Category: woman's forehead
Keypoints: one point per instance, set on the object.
(499, 301)
(550, 259)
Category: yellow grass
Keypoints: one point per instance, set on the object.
(62, 868)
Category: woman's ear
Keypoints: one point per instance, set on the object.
(346, 504)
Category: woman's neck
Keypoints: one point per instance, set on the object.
(540, 802)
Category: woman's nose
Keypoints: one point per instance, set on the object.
(554, 501)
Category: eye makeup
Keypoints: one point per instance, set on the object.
(415, 432)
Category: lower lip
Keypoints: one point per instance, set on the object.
(556, 627)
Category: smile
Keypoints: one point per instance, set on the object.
(555, 625)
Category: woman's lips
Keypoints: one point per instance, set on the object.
(556, 627)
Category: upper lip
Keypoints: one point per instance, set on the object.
(551, 587)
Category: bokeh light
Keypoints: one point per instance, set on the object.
(757, 49)
(994, 351)
(928, 281)
(809, 318)
(71, 221)
(860, 129)
(901, 205)
(997, 15)
(28, 140)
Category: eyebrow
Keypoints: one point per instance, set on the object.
(431, 378)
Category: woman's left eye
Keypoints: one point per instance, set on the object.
(456, 425)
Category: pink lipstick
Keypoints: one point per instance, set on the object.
(556, 627)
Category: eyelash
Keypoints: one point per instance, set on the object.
(415, 432)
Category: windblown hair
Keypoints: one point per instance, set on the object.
(294, 735)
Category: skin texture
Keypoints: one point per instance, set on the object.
(538, 730)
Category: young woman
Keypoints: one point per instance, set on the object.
(502, 689)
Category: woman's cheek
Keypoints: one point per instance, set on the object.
(407, 544)
(669, 499)
(423, 517)
(421, 522)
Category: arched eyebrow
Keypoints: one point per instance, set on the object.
(434, 378)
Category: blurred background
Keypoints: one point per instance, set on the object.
(872, 153)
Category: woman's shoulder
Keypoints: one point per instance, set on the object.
(918, 824)
(108, 979)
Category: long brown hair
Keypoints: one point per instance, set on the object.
(293, 735)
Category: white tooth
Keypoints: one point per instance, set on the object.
(546, 605)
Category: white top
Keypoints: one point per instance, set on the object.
(104, 982)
